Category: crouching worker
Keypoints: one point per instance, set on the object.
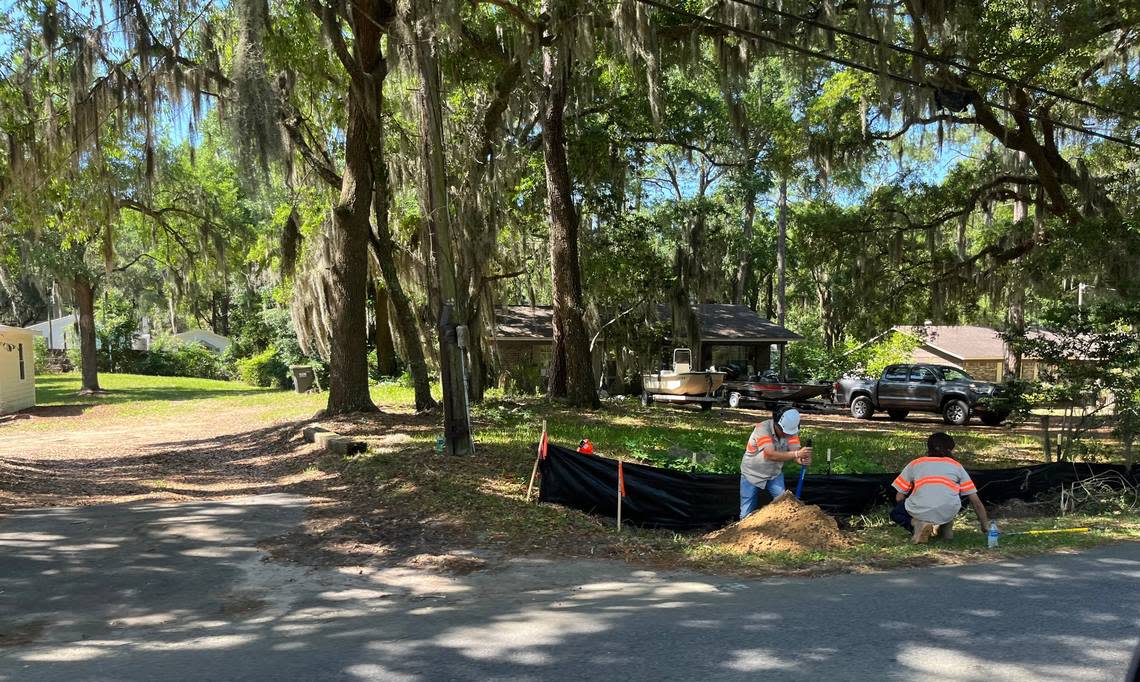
(930, 491)
(772, 443)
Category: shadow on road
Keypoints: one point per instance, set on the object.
(180, 592)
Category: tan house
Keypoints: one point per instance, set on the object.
(524, 335)
(980, 351)
(17, 369)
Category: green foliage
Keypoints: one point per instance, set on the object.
(893, 349)
(116, 324)
(374, 371)
(265, 369)
(41, 351)
(168, 357)
(521, 380)
(1090, 370)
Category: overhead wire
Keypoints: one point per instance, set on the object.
(842, 61)
(939, 59)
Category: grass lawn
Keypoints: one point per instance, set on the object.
(669, 437)
(481, 499)
(134, 394)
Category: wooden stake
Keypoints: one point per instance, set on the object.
(537, 456)
(619, 496)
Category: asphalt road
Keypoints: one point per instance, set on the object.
(180, 592)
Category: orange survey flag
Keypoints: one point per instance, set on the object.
(542, 446)
(621, 480)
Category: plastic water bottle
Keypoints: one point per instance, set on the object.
(440, 442)
(992, 536)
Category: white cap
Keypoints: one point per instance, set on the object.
(790, 422)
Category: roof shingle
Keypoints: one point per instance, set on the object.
(719, 322)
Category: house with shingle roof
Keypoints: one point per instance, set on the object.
(980, 351)
(728, 334)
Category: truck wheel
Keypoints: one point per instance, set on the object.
(862, 407)
(897, 415)
(734, 400)
(956, 412)
(645, 398)
(993, 418)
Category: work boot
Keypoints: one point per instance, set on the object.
(922, 531)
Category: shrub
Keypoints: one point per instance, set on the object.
(166, 358)
(265, 369)
(41, 353)
(522, 380)
(374, 367)
(194, 360)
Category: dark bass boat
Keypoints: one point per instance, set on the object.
(766, 390)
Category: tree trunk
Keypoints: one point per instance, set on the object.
(225, 313)
(437, 217)
(385, 349)
(769, 298)
(348, 272)
(88, 358)
(782, 251)
(1017, 325)
(477, 361)
(935, 286)
(383, 248)
(571, 372)
(963, 222)
(405, 317)
(782, 266)
(173, 326)
(744, 268)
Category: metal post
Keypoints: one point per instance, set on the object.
(461, 341)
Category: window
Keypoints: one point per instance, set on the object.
(23, 373)
(923, 375)
(896, 373)
(955, 374)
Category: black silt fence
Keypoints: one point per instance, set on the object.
(680, 500)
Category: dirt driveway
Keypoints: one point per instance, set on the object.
(53, 457)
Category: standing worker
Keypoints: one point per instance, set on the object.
(930, 491)
(772, 443)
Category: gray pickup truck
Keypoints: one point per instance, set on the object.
(940, 389)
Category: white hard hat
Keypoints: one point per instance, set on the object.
(790, 422)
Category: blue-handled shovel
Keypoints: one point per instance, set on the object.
(803, 472)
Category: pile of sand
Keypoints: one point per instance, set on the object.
(784, 525)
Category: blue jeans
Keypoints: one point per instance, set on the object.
(749, 493)
(902, 517)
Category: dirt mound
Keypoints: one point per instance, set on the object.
(784, 525)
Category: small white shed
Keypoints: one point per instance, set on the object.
(214, 342)
(58, 332)
(17, 369)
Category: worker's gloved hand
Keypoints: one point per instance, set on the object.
(804, 456)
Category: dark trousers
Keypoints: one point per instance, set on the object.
(902, 517)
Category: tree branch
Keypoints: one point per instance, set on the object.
(514, 10)
(915, 120)
(159, 216)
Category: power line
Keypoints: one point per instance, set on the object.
(872, 70)
(1008, 80)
